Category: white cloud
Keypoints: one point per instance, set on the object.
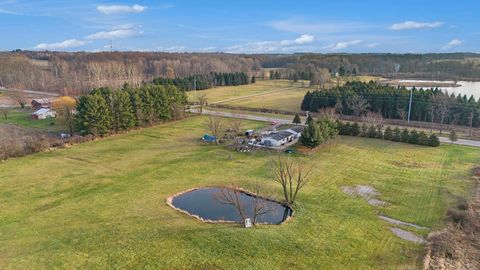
(328, 27)
(115, 9)
(118, 32)
(342, 45)
(287, 45)
(372, 45)
(176, 48)
(69, 43)
(408, 25)
(452, 43)
(208, 49)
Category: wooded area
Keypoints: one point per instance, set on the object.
(76, 73)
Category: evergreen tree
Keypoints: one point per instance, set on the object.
(309, 119)
(423, 138)
(296, 119)
(311, 135)
(253, 80)
(123, 113)
(93, 116)
(397, 135)
(414, 137)
(372, 132)
(364, 132)
(433, 140)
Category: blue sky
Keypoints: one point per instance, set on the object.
(397, 26)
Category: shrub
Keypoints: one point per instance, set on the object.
(422, 138)
(355, 131)
(397, 135)
(433, 141)
(364, 132)
(413, 138)
(388, 135)
(405, 136)
(372, 132)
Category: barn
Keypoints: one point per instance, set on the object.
(43, 113)
(40, 103)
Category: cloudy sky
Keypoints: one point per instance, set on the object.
(245, 26)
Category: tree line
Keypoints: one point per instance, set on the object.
(428, 105)
(103, 111)
(206, 81)
(395, 135)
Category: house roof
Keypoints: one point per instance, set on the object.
(280, 135)
(42, 100)
(297, 129)
(41, 111)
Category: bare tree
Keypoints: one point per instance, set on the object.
(403, 114)
(237, 124)
(233, 196)
(470, 122)
(357, 104)
(320, 77)
(442, 109)
(373, 119)
(5, 112)
(214, 125)
(202, 101)
(19, 97)
(338, 107)
(291, 176)
(328, 113)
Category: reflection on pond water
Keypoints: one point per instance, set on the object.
(205, 204)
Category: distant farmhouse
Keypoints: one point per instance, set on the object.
(43, 113)
(282, 137)
(41, 103)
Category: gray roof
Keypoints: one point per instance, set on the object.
(297, 129)
(280, 135)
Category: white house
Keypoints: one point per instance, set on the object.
(43, 113)
(297, 130)
(278, 138)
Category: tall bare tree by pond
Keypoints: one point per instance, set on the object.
(292, 177)
(214, 125)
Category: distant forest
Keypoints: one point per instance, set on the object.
(77, 73)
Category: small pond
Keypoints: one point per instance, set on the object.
(205, 204)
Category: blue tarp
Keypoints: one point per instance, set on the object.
(209, 138)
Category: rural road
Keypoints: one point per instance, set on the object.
(285, 121)
(31, 92)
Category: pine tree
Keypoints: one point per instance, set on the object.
(93, 115)
(433, 141)
(311, 135)
(309, 119)
(296, 119)
(253, 80)
(405, 136)
(388, 134)
(123, 113)
(355, 130)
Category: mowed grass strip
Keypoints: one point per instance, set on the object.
(102, 204)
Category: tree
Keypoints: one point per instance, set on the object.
(64, 107)
(442, 109)
(433, 140)
(237, 124)
(309, 119)
(4, 112)
(297, 120)
(388, 134)
(357, 104)
(122, 111)
(93, 115)
(311, 135)
(320, 77)
(453, 136)
(202, 101)
(405, 136)
(233, 196)
(214, 125)
(18, 96)
(253, 80)
(291, 176)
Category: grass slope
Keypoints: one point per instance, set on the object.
(102, 204)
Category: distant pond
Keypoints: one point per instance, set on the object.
(465, 88)
(205, 204)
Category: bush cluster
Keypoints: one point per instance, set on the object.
(395, 135)
(318, 132)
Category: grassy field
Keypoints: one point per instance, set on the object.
(269, 94)
(102, 204)
(22, 118)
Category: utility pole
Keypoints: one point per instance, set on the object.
(410, 105)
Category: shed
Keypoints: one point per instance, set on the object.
(43, 113)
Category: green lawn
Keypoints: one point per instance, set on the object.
(22, 118)
(102, 205)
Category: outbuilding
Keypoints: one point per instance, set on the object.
(43, 113)
(40, 103)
